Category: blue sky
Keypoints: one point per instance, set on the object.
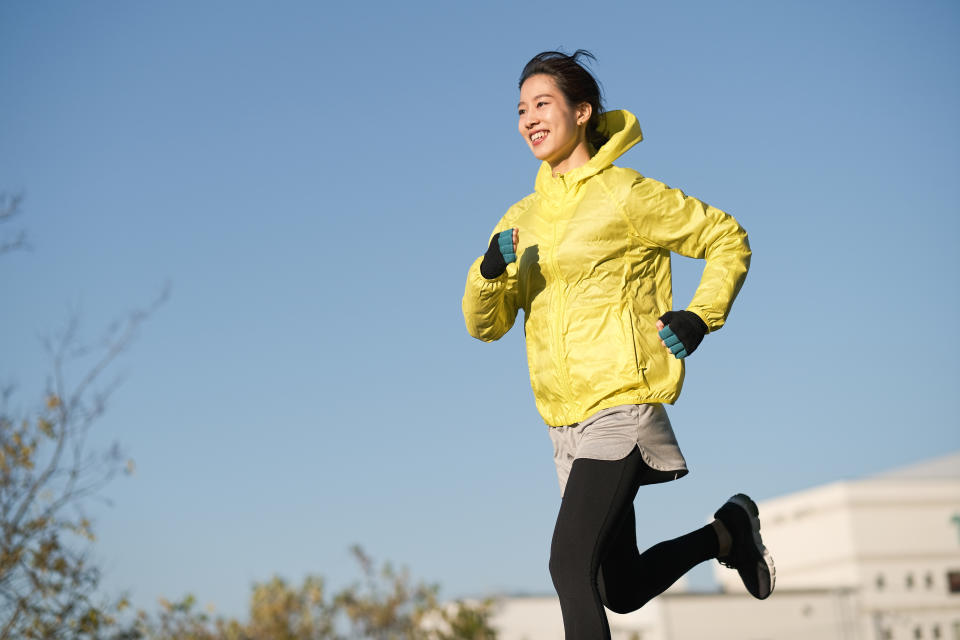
(314, 181)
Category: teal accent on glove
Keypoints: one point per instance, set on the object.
(673, 343)
(506, 246)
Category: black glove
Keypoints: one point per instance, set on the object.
(682, 332)
(498, 254)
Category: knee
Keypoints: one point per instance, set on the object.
(568, 569)
(620, 604)
(559, 568)
(619, 593)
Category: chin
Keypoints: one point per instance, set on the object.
(540, 155)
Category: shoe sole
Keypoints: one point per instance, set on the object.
(753, 513)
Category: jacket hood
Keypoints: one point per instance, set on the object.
(623, 131)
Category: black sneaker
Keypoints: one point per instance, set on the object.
(747, 554)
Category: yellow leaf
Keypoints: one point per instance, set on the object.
(46, 427)
(53, 401)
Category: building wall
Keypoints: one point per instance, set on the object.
(895, 540)
(791, 615)
(539, 618)
(529, 618)
(797, 615)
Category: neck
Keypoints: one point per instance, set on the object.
(577, 158)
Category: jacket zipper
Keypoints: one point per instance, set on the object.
(559, 362)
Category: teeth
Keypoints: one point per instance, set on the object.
(538, 135)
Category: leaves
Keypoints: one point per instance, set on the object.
(45, 427)
(385, 605)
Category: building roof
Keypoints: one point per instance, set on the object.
(940, 468)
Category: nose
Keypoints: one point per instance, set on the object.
(529, 121)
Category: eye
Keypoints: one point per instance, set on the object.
(541, 103)
(520, 112)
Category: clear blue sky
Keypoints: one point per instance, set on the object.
(314, 180)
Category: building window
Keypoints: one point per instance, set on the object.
(886, 634)
(953, 583)
(918, 632)
(935, 632)
(929, 580)
(909, 581)
(880, 582)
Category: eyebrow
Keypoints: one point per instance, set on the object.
(542, 95)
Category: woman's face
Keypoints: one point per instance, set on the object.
(552, 128)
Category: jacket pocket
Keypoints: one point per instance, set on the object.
(630, 331)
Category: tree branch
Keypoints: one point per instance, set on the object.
(10, 207)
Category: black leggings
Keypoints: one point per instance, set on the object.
(594, 559)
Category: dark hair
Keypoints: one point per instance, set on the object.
(574, 81)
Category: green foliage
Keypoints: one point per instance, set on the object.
(384, 605)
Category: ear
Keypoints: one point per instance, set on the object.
(584, 111)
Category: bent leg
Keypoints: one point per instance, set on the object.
(594, 560)
(629, 579)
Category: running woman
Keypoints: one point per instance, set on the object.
(586, 256)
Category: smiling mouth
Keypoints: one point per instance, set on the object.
(538, 137)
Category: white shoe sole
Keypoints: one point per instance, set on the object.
(750, 507)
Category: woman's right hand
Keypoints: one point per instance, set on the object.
(501, 252)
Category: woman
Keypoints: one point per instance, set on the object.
(587, 258)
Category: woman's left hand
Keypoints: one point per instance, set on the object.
(682, 333)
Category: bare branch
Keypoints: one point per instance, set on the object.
(47, 473)
(9, 208)
(9, 205)
(118, 345)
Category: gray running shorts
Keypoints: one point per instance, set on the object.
(611, 434)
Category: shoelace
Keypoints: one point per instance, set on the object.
(731, 560)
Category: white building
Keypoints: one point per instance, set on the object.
(870, 559)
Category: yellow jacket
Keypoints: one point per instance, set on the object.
(593, 275)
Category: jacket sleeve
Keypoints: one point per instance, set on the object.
(672, 220)
(490, 306)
